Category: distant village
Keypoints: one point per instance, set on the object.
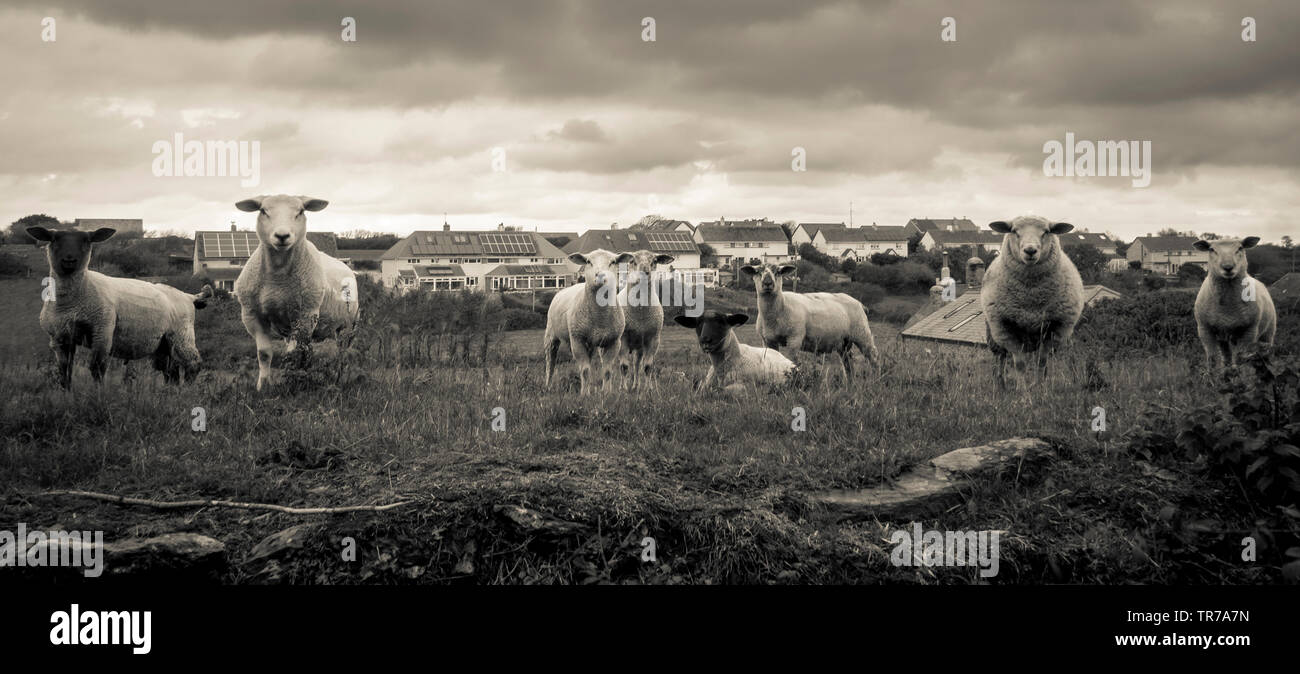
(709, 253)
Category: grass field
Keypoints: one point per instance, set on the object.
(720, 482)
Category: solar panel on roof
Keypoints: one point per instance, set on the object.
(229, 244)
(676, 241)
(513, 244)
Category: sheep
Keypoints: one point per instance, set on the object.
(289, 288)
(815, 322)
(1233, 310)
(1032, 296)
(735, 365)
(587, 314)
(118, 317)
(643, 315)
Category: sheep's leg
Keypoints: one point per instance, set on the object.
(869, 353)
(301, 332)
(1211, 346)
(128, 372)
(65, 352)
(648, 351)
(582, 358)
(846, 356)
(262, 338)
(609, 355)
(164, 362)
(551, 349)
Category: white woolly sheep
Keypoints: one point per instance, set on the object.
(815, 322)
(289, 288)
(734, 365)
(1032, 295)
(643, 315)
(114, 317)
(587, 314)
(1233, 310)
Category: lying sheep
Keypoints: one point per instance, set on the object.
(587, 314)
(289, 288)
(815, 322)
(118, 317)
(735, 365)
(1032, 295)
(1233, 310)
(643, 315)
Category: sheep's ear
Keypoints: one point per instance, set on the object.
(748, 270)
(664, 259)
(686, 321)
(1000, 226)
(250, 205)
(40, 234)
(578, 258)
(102, 234)
(1202, 245)
(624, 258)
(737, 319)
(1249, 242)
(1060, 228)
(787, 269)
(313, 205)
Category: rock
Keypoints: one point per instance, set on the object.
(931, 485)
(534, 523)
(292, 538)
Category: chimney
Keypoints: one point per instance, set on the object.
(232, 226)
(613, 226)
(974, 273)
(943, 273)
(501, 226)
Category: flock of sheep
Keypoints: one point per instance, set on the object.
(288, 289)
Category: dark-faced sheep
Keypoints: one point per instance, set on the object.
(114, 317)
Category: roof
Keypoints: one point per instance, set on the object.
(729, 233)
(1095, 239)
(813, 227)
(1288, 286)
(473, 243)
(964, 238)
(559, 239)
(865, 234)
(753, 222)
(929, 225)
(436, 271)
(529, 270)
(625, 241)
(120, 224)
(228, 245)
(962, 320)
(1164, 244)
(659, 226)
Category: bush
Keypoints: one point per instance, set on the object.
(808, 253)
(1149, 323)
(522, 319)
(904, 278)
(892, 310)
(867, 293)
(12, 265)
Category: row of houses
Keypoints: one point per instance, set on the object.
(509, 260)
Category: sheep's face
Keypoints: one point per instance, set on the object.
(1029, 238)
(68, 252)
(767, 277)
(712, 328)
(600, 268)
(1227, 256)
(642, 265)
(281, 219)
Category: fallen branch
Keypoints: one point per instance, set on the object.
(127, 500)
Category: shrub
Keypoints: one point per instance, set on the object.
(1149, 323)
(903, 278)
(12, 265)
(867, 293)
(522, 319)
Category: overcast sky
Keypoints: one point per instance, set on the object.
(599, 126)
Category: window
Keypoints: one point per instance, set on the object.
(413, 260)
(459, 238)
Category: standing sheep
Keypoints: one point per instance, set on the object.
(815, 322)
(643, 315)
(734, 365)
(587, 314)
(1032, 295)
(289, 288)
(1233, 310)
(117, 317)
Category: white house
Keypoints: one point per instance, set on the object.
(938, 240)
(1165, 254)
(806, 232)
(765, 244)
(861, 242)
(475, 260)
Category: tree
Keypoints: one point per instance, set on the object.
(708, 256)
(17, 232)
(1190, 272)
(647, 221)
(1210, 236)
(1088, 260)
(1287, 243)
(810, 253)
(1169, 231)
